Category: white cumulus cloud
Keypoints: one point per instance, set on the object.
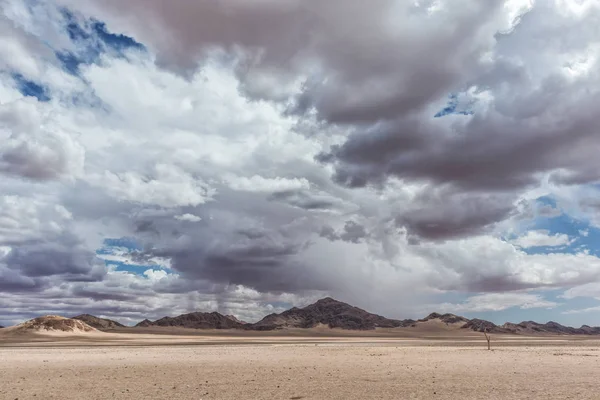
(542, 238)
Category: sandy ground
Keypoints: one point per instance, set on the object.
(292, 367)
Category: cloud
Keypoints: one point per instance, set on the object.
(39, 245)
(542, 238)
(442, 215)
(258, 165)
(582, 311)
(155, 275)
(499, 302)
(586, 290)
(167, 186)
(34, 147)
(489, 264)
(352, 232)
(314, 39)
(260, 184)
(188, 217)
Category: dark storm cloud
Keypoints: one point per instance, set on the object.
(329, 233)
(242, 239)
(489, 152)
(492, 284)
(27, 161)
(352, 232)
(532, 127)
(103, 295)
(574, 177)
(484, 281)
(446, 215)
(13, 281)
(63, 256)
(304, 200)
(146, 226)
(265, 264)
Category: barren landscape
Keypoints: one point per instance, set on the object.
(299, 199)
(295, 367)
(327, 350)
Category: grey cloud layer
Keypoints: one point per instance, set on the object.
(274, 151)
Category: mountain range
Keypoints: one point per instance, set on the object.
(330, 313)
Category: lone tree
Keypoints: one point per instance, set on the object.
(487, 337)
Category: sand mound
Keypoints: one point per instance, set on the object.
(52, 325)
(436, 325)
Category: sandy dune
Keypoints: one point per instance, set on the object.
(294, 367)
(49, 325)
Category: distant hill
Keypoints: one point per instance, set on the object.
(233, 318)
(523, 328)
(436, 322)
(480, 325)
(51, 324)
(144, 324)
(196, 320)
(531, 327)
(99, 323)
(445, 318)
(327, 312)
(332, 313)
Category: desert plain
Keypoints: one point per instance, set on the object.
(315, 364)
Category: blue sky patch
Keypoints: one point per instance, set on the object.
(587, 236)
(134, 268)
(123, 254)
(126, 242)
(115, 41)
(69, 61)
(547, 201)
(584, 236)
(75, 31)
(30, 88)
(91, 39)
(453, 107)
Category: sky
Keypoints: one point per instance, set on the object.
(245, 157)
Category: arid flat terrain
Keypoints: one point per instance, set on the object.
(288, 366)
